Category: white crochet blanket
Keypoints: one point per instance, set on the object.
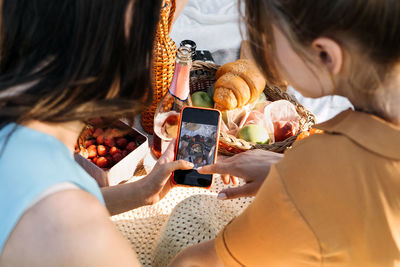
(186, 216)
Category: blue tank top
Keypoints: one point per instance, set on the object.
(30, 163)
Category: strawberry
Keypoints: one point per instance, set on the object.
(114, 150)
(84, 153)
(102, 162)
(131, 146)
(96, 121)
(100, 139)
(110, 160)
(101, 150)
(92, 151)
(121, 142)
(125, 153)
(94, 160)
(107, 132)
(109, 141)
(117, 157)
(91, 130)
(89, 142)
(98, 132)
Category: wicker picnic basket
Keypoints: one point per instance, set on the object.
(230, 145)
(163, 63)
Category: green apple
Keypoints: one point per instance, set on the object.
(260, 101)
(254, 133)
(202, 99)
(224, 116)
(262, 98)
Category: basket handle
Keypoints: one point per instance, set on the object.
(171, 15)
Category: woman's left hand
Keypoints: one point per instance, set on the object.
(146, 191)
(157, 182)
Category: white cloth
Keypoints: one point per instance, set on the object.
(212, 24)
(325, 107)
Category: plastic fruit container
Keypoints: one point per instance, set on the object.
(112, 154)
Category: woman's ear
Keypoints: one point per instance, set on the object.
(330, 53)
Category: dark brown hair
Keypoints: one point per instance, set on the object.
(371, 26)
(71, 60)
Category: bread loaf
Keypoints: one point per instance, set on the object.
(243, 79)
(233, 91)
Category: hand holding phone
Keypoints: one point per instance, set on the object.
(197, 143)
(157, 183)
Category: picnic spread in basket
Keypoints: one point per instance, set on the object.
(255, 114)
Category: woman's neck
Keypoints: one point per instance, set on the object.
(381, 101)
(66, 132)
(388, 97)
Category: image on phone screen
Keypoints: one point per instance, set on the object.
(197, 143)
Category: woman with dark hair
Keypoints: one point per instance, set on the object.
(333, 199)
(63, 63)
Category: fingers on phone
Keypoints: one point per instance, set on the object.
(225, 178)
(247, 190)
(183, 165)
(234, 179)
(218, 167)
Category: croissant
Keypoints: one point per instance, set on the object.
(238, 83)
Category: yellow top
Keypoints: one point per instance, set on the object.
(334, 200)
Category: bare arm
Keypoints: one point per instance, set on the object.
(148, 190)
(180, 5)
(202, 254)
(67, 228)
(124, 197)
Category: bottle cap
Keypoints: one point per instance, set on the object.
(184, 54)
(191, 45)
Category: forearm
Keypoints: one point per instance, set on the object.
(203, 254)
(125, 197)
(180, 5)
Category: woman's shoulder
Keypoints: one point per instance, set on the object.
(324, 171)
(318, 150)
(31, 163)
(68, 226)
(30, 158)
(329, 176)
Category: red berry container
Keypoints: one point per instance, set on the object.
(124, 169)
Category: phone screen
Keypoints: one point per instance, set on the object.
(197, 143)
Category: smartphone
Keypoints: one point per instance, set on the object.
(197, 142)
